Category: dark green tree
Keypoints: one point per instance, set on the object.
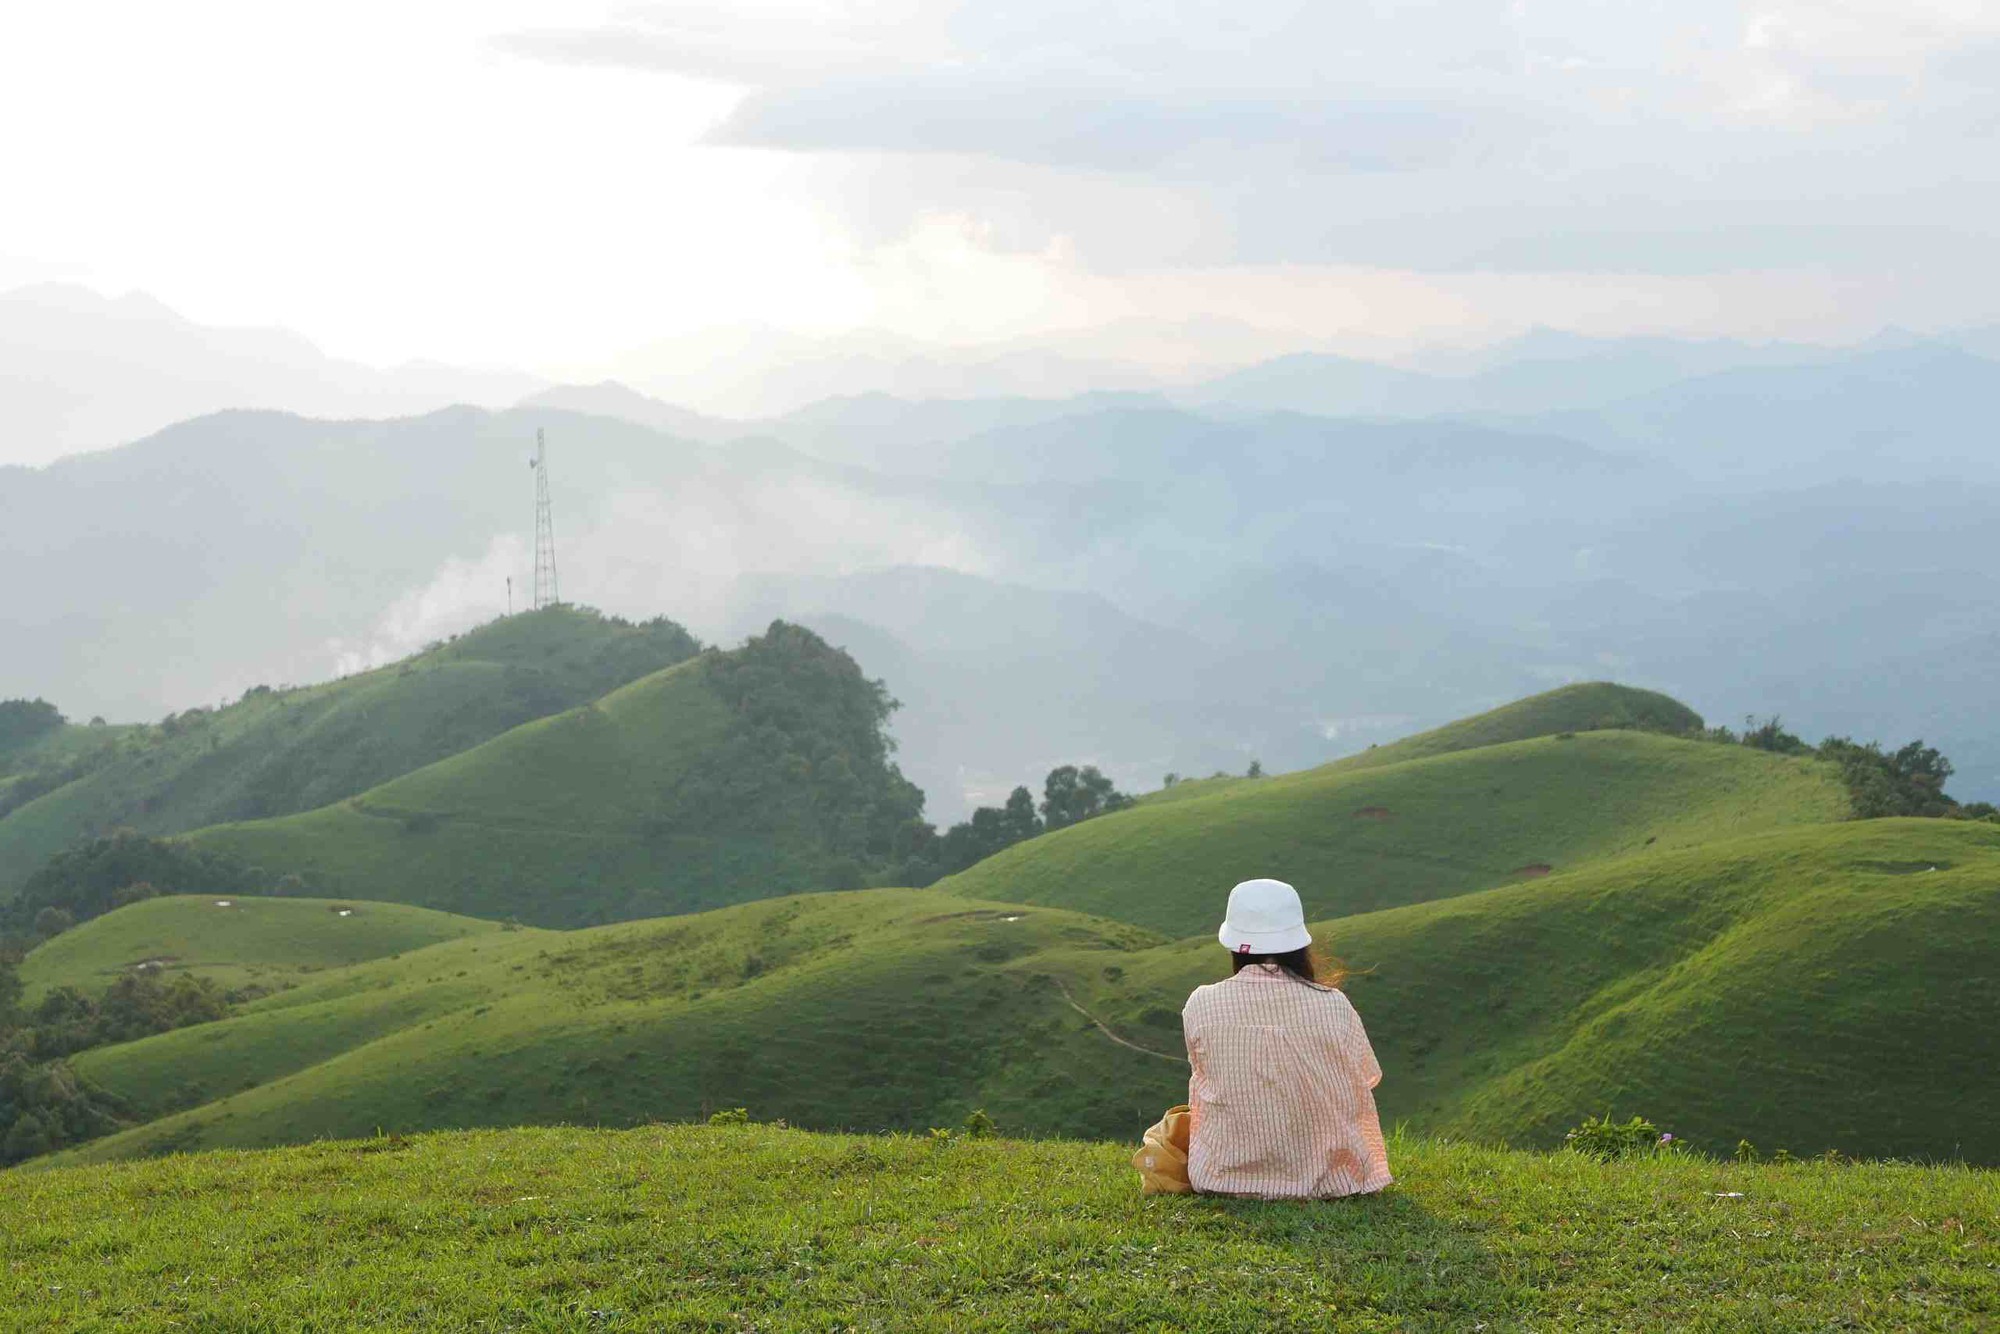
(52, 921)
(1071, 795)
(1018, 820)
(1909, 781)
(10, 990)
(22, 720)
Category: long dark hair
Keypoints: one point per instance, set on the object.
(1306, 964)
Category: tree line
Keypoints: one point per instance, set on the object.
(1070, 795)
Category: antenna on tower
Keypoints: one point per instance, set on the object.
(545, 530)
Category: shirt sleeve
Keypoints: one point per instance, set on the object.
(1359, 1050)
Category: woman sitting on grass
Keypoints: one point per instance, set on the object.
(1281, 1099)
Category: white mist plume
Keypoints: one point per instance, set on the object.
(461, 594)
(680, 553)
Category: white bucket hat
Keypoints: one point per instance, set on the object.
(1264, 917)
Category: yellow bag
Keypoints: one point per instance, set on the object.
(1162, 1159)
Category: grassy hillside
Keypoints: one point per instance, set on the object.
(877, 1009)
(1806, 989)
(1356, 840)
(237, 942)
(60, 746)
(736, 775)
(1551, 927)
(1592, 707)
(276, 752)
(747, 1227)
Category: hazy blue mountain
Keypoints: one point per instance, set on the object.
(1001, 683)
(1127, 583)
(620, 402)
(1542, 371)
(251, 547)
(81, 371)
(1892, 414)
(1326, 385)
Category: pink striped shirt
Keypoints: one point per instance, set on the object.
(1281, 1090)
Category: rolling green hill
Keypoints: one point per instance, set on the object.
(751, 1227)
(267, 943)
(1593, 707)
(1597, 706)
(879, 1008)
(275, 752)
(1358, 839)
(1548, 927)
(735, 775)
(59, 746)
(1808, 989)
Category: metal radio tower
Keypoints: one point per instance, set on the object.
(545, 530)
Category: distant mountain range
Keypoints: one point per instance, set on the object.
(1151, 585)
(79, 371)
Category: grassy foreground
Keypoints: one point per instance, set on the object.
(742, 1228)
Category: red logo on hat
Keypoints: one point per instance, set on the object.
(1242, 949)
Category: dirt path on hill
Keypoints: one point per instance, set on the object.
(1103, 1028)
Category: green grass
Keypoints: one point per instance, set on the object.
(1190, 788)
(291, 750)
(1806, 989)
(253, 942)
(1356, 840)
(732, 776)
(1714, 947)
(878, 1009)
(593, 814)
(742, 1228)
(62, 745)
(1597, 706)
(1594, 707)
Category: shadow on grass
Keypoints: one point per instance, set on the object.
(1384, 1254)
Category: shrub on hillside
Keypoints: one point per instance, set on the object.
(1602, 1138)
(1771, 735)
(1909, 781)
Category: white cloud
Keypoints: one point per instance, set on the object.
(521, 182)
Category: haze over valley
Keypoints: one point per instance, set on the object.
(1284, 563)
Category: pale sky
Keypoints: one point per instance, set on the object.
(552, 186)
